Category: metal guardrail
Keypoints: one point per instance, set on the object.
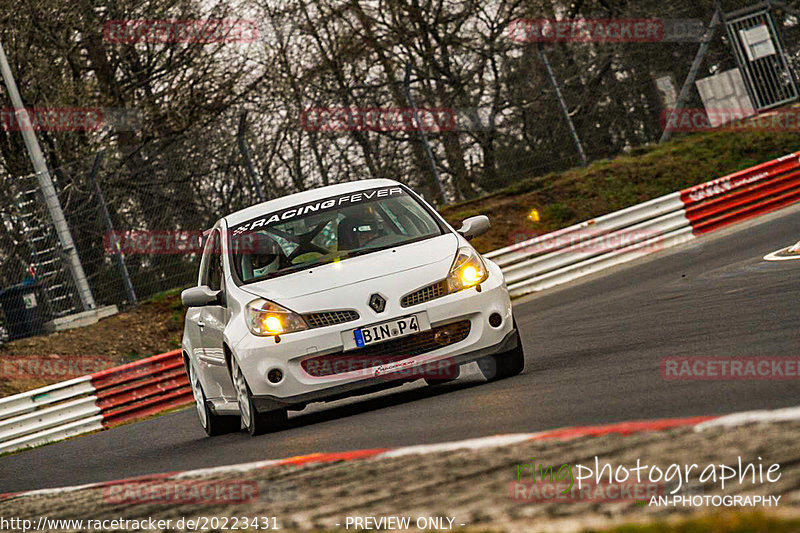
(152, 385)
(93, 402)
(742, 195)
(564, 255)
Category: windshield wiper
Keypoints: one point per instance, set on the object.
(319, 262)
(295, 268)
(356, 253)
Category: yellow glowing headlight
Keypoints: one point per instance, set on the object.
(265, 318)
(470, 275)
(467, 271)
(272, 324)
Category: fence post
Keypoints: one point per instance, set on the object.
(563, 106)
(422, 136)
(248, 160)
(123, 269)
(689, 81)
(46, 185)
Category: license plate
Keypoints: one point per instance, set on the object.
(385, 331)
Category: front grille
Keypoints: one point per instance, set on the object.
(329, 318)
(431, 292)
(386, 352)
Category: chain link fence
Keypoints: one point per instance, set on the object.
(136, 222)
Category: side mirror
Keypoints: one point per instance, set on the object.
(474, 226)
(200, 296)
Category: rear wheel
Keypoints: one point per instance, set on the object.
(213, 424)
(503, 365)
(256, 423)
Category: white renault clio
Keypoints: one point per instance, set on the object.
(334, 292)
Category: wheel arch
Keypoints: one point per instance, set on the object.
(228, 353)
(185, 357)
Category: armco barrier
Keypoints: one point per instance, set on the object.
(145, 387)
(93, 402)
(561, 256)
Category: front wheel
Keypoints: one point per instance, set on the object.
(503, 365)
(256, 423)
(213, 424)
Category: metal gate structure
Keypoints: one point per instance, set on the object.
(760, 56)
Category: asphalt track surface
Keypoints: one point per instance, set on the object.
(592, 356)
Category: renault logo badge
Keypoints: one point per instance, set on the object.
(377, 303)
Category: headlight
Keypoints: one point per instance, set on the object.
(467, 271)
(265, 318)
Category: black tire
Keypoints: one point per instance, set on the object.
(213, 424)
(254, 422)
(221, 424)
(268, 422)
(503, 365)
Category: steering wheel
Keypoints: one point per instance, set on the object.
(304, 244)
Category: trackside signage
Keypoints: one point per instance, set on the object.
(318, 206)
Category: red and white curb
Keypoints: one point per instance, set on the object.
(94, 402)
(699, 423)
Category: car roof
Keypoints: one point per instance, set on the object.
(302, 197)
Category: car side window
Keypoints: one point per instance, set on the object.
(215, 266)
(212, 276)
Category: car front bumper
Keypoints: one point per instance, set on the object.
(270, 402)
(258, 355)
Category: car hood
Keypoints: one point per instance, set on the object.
(332, 276)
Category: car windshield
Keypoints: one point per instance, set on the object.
(332, 229)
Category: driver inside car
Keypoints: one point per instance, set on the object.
(359, 226)
(264, 257)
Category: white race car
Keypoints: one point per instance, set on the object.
(334, 292)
